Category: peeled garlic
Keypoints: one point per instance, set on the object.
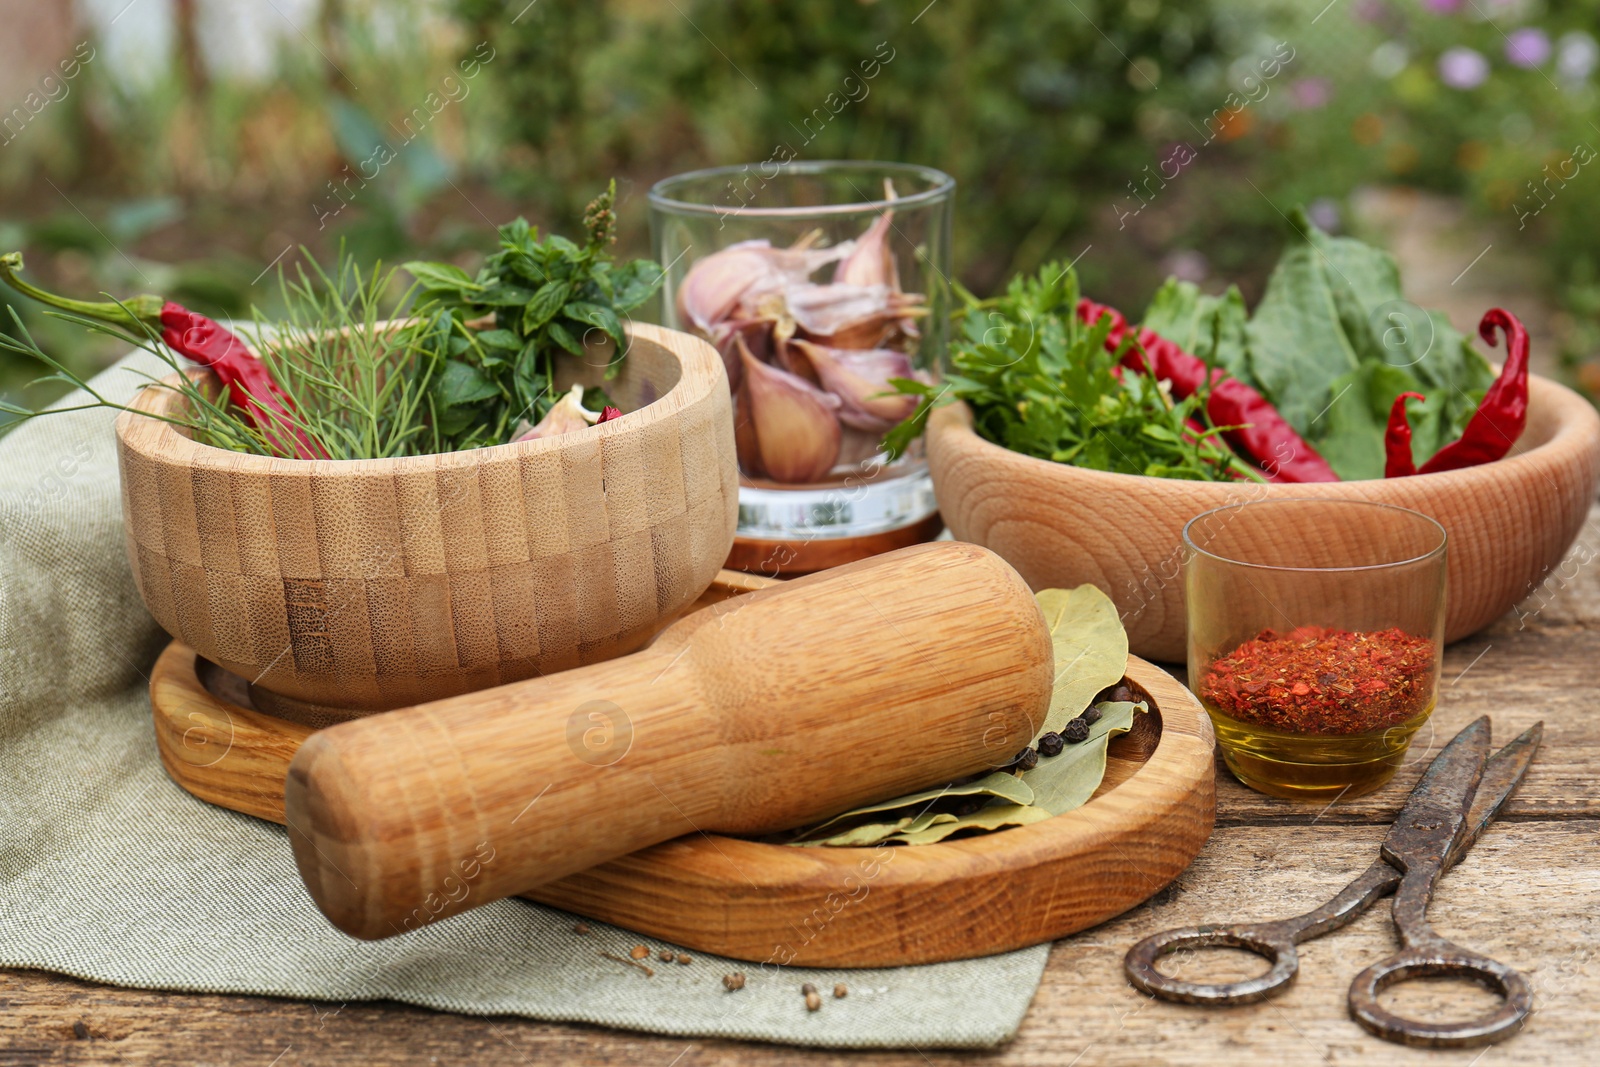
(860, 379)
(793, 425)
(566, 415)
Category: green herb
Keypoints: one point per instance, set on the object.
(1041, 382)
(357, 391)
(502, 329)
(1331, 345)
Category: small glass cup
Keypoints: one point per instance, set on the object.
(823, 338)
(1316, 629)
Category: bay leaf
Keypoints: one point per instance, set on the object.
(1061, 783)
(1091, 649)
(874, 832)
(993, 817)
(1000, 784)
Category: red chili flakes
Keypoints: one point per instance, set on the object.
(1315, 680)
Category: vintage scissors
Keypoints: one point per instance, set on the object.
(1457, 797)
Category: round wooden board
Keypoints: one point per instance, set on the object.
(844, 907)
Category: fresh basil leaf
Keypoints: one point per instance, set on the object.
(500, 339)
(442, 276)
(563, 337)
(503, 295)
(601, 318)
(635, 282)
(461, 383)
(544, 305)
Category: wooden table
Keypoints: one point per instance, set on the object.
(1528, 894)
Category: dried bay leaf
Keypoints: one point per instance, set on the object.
(873, 832)
(1091, 649)
(993, 817)
(1001, 784)
(1061, 783)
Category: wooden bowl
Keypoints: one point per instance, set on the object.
(1509, 522)
(364, 585)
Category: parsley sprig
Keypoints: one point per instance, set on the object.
(1040, 381)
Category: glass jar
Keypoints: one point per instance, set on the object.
(820, 283)
(1315, 634)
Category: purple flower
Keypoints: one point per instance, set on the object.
(1577, 56)
(1325, 214)
(1528, 47)
(1311, 93)
(1463, 68)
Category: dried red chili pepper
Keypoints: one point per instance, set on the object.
(1263, 436)
(1316, 680)
(250, 384)
(1398, 462)
(1501, 417)
(608, 413)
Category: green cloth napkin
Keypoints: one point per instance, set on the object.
(110, 872)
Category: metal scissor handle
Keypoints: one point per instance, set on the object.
(1441, 960)
(1273, 941)
(1270, 941)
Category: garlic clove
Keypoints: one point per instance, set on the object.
(871, 261)
(566, 415)
(795, 425)
(731, 280)
(861, 381)
(714, 285)
(852, 316)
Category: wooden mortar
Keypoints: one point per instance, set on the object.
(347, 587)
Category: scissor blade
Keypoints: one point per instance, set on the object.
(1436, 811)
(1501, 776)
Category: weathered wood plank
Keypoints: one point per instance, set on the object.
(1528, 894)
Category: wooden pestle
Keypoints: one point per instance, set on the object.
(761, 713)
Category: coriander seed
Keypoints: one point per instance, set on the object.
(813, 1001)
(684, 959)
(840, 991)
(639, 952)
(666, 955)
(733, 981)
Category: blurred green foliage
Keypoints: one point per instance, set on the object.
(1052, 117)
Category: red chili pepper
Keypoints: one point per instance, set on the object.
(250, 384)
(1398, 462)
(608, 413)
(1263, 436)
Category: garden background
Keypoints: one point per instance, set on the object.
(188, 147)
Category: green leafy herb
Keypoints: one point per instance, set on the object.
(503, 329)
(358, 391)
(1331, 345)
(1040, 382)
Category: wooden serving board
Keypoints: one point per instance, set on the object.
(838, 907)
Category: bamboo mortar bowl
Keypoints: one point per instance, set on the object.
(343, 587)
(1509, 522)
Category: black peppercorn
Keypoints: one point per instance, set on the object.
(1075, 731)
(1121, 694)
(1091, 715)
(1026, 760)
(1050, 744)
